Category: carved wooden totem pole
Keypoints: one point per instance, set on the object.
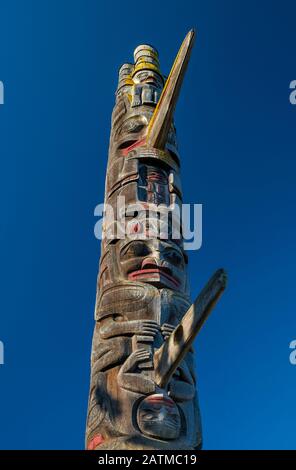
(143, 388)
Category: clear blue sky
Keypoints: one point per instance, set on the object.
(236, 128)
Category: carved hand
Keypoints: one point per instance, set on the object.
(138, 356)
(144, 327)
(130, 379)
(110, 328)
(167, 329)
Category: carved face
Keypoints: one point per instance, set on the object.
(158, 262)
(148, 76)
(133, 112)
(158, 416)
(131, 129)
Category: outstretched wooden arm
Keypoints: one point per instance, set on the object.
(171, 353)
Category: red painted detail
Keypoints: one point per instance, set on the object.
(146, 273)
(139, 143)
(154, 175)
(161, 401)
(136, 227)
(96, 441)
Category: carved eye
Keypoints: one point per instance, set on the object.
(136, 249)
(175, 258)
(132, 126)
(148, 416)
(137, 127)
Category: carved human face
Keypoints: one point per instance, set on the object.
(158, 416)
(148, 76)
(158, 262)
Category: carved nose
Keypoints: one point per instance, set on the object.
(149, 263)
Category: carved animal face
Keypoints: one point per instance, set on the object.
(133, 112)
(158, 262)
(131, 129)
(158, 416)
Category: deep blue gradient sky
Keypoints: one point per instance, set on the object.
(236, 128)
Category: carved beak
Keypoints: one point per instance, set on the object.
(162, 118)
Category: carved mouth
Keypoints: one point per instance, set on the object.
(148, 274)
(159, 399)
(131, 145)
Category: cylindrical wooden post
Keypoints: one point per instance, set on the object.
(142, 291)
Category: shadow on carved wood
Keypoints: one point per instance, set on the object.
(143, 392)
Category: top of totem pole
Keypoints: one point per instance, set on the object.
(146, 66)
(146, 58)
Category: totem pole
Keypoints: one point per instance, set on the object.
(143, 389)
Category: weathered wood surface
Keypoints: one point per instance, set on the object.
(168, 357)
(163, 115)
(143, 388)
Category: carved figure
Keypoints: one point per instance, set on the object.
(143, 391)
